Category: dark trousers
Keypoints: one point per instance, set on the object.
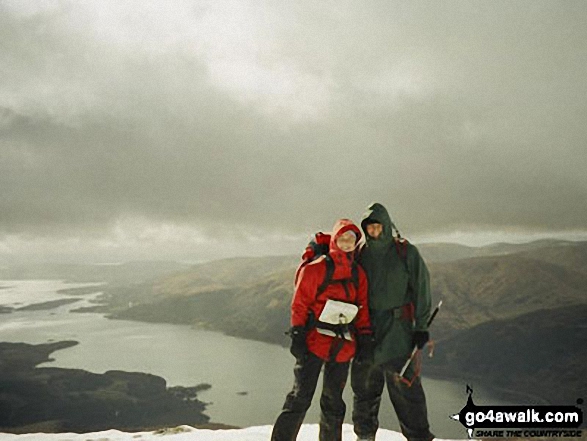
(298, 401)
(409, 402)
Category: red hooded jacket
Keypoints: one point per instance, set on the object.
(305, 300)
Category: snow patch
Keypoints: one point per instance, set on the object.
(308, 432)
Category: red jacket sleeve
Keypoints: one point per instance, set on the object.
(363, 322)
(304, 294)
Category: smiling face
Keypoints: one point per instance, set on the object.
(347, 241)
(374, 230)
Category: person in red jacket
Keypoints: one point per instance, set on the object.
(330, 322)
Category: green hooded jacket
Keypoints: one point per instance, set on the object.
(395, 279)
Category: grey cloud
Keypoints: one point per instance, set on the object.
(454, 114)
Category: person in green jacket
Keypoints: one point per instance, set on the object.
(399, 307)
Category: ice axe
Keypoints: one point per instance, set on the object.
(403, 371)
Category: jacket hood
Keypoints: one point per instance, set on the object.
(377, 212)
(340, 227)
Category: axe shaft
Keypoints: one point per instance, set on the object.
(409, 360)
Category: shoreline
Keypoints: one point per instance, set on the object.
(500, 392)
(75, 400)
(109, 311)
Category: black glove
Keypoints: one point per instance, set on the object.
(365, 348)
(298, 348)
(420, 338)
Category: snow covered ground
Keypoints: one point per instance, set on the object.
(309, 432)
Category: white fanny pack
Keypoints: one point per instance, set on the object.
(337, 313)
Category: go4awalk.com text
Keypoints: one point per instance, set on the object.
(520, 421)
(530, 415)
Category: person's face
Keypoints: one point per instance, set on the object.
(346, 241)
(374, 230)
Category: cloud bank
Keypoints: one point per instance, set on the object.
(250, 118)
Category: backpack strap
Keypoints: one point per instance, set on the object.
(355, 275)
(330, 272)
(401, 247)
(328, 276)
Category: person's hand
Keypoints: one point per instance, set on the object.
(365, 348)
(298, 347)
(420, 338)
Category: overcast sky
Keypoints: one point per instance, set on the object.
(139, 126)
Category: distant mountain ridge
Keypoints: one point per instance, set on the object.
(116, 274)
(447, 252)
(474, 290)
(222, 274)
(495, 285)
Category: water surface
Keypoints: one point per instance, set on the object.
(249, 379)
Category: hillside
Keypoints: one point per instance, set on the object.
(572, 255)
(545, 348)
(544, 276)
(259, 310)
(485, 288)
(222, 274)
(474, 290)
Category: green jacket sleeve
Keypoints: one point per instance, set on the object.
(419, 280)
